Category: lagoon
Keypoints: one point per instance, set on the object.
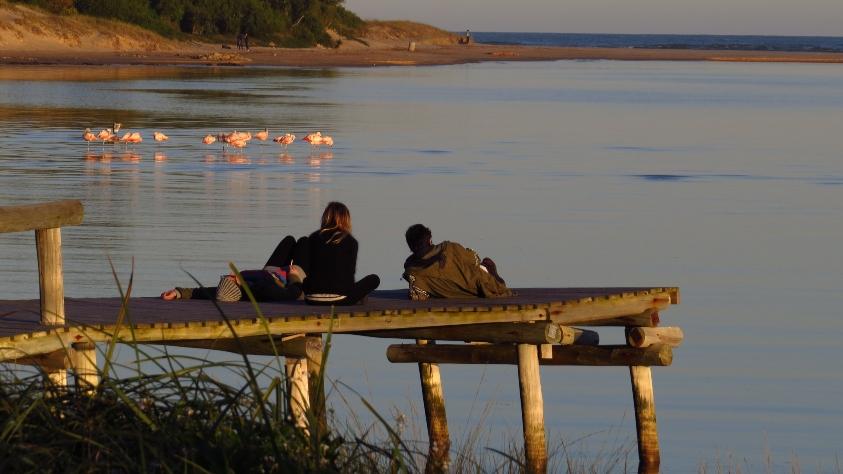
(723, 179)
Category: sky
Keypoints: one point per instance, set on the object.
(747, 17)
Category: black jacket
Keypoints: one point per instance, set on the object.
(332, 265)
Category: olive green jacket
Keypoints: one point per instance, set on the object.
(450, 270)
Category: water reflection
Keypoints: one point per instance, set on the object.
(160, 156)
(237, 158)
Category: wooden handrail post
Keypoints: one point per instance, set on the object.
(645, 419)
(297, 390)
(532, 409)
(50, 279)
(439, 451)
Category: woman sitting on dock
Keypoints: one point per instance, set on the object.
(448, 270)
(332, 262)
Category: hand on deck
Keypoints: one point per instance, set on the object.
(171, 295)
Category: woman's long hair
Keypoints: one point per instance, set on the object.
(337, 220)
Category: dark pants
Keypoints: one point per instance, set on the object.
(290, 250)
(362, 288)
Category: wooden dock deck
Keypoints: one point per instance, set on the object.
(200, 323)
(534, 327)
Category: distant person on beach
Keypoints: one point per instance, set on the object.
(246, 41)
(239, 41)
(448, 270)
(467, 36)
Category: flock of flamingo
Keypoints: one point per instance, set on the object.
(234, 139)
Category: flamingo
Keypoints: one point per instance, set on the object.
(285, 139)
(209, 139)
(238, 143)
(105, 135)
(160, 137)
(327, 140)
(315, 139)
(131, 137)
(262, 135)
(88, 136)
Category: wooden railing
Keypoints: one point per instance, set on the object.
(47, 220)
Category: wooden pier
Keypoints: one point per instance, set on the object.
(536, 327)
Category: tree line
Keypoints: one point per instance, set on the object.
(291, 23)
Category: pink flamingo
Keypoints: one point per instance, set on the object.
(88, 136)
(327, 140)
(209, 139)
(131, 137)
(262, 135)
(285, 139)
(159, 137)
(315, 139)
(237, 143)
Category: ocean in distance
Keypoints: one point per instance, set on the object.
(725, 179)
(819, 44)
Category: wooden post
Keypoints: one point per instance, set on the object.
(433, 396)
(532, 409)
(50, 281)
(82, 360)
(316, 385)
(297, 390)
(645, 419)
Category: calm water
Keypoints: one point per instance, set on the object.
(719, 42)
(723, 179)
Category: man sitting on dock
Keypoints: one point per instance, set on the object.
(448, 270)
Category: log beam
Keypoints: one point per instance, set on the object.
(49, 215)
(433, 397)
(645, 337)
(539, 332)
(507, 354)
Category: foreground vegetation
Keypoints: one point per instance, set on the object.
(292, 23)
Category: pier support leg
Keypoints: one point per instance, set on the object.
(645, 419)
(82, 360)
(297, 390)
(316, 380)
(532, 409)
(50, 280)
(438, 455)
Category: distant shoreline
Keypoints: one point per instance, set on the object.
(395, 54)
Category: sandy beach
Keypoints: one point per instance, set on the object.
(30, 36)
(386, 54)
